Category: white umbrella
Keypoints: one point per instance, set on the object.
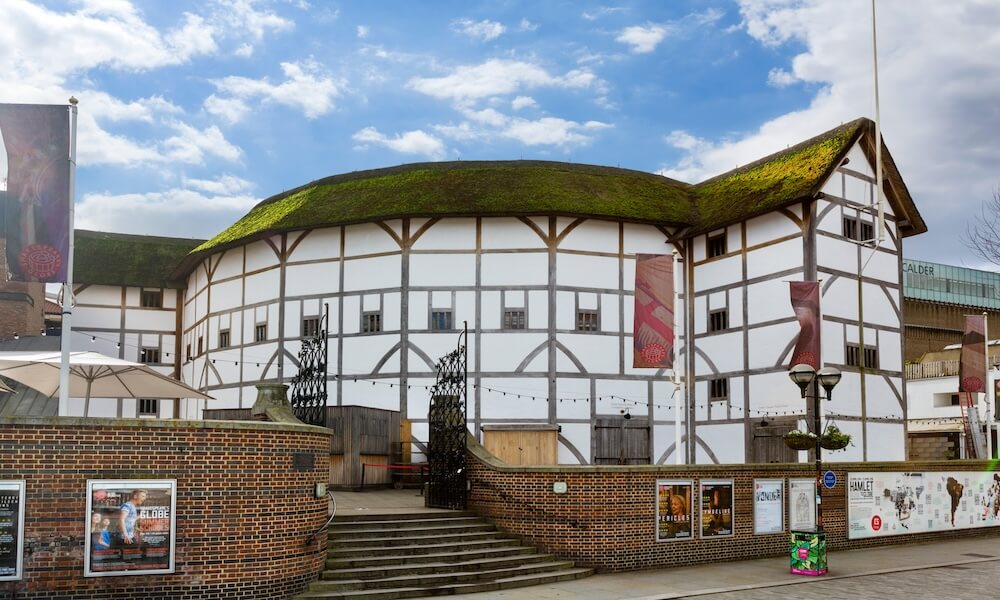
(4, 388)
(92, 375)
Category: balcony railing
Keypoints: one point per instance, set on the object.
(938, 368)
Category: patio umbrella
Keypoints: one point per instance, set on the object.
(92, 375)
(4, 388)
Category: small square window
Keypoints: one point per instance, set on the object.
(149, 355)
(955, 400)
(151, 299)
(201, 345)
(871, 357)
(260, 333)
(867, 232)
(224, 338)
(586, 320)
(852, 355)
(371, 322)
(187, 353)
(514, 319)
(149, 407)
(716, 245)
(310, 327)
(441, 320)
(718, 389)
(849, 228)
(718, 320)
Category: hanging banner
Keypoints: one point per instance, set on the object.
(802, 504)
(35, 200)
(805, 304)
(673, 510)
(972, 367)
(768, 506)
(717, 508)
(132, 527)
(11, 529)
(653, 335)
(880, 504)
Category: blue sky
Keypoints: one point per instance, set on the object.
(191, 112)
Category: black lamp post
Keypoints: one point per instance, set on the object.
(828, 377)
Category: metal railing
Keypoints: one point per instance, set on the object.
(333, 514)
(938, 368)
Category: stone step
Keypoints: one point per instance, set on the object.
(389, 523)
(438, 579)
(347, 543)
(459, 588)
(448, 566)
(445, 528)
(401, 553)
(367, 560)
(354, 517)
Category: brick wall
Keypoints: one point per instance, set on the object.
(607, 518)
(242, 518)
(933, 446)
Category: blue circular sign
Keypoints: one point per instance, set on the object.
(829, 480)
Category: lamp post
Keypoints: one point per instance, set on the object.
(804, 376)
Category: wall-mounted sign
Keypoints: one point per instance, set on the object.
(829, 480)
(880, 504)
(132, 527)
(11, 529)
(673, 510)
(559, 487)
(802, 504)
(768, 506)
(717, 508)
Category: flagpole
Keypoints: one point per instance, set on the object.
(986, 389)
(878, 139)
(677, 376)
(67, 291)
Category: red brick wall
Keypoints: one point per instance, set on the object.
(607, 518)
(243, 512)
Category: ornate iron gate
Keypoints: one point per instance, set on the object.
(447, 486)
(309, 384)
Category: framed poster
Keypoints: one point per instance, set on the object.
(673, 510)
(768, 506)
(802, 504)
(716, 508)
(131, 526)
(881, 504)
(11, 529)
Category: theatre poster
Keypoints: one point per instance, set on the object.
(131, 526)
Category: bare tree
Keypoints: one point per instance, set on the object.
(982, 236)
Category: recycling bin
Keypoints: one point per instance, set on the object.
(808, 553)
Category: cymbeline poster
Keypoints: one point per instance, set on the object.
(11, 529)
(802, 504)
(880, 504)
(673, 510)
(132, 527)
(717, 508)
(768, 506)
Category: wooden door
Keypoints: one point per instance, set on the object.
(621, 441)
(768, 444)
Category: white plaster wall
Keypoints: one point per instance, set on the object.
(319, 244)
(260, 255)
(442, 270)
(597, 353)
(770, 226)
(447, 234)
(587, 271)
(725, 441)
(368, 238)
(592, 236)
(719, 271)
(311, 279)
(528, 268)
(774, 258)
(229, 264)
(770, 300)
(886, 442)
(100, 294)
(508, 232)
(372, 273)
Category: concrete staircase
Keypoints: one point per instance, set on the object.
(429, 554)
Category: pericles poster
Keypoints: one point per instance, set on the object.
(717, 508)
(768, 506)
(802, 504)
(131, 526)
(11, 529)
(673, 510)
(881, 504)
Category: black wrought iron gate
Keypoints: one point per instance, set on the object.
(446, 442)
(309, 384)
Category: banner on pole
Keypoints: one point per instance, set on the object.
(653, 335)
(34, 190)
(972, 367)
(805, 304)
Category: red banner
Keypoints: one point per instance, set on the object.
(805, 303)
(34, 203)
(972, 367)
(653, 335)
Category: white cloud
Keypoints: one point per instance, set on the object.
(484, 30)
(497, 77)
(244, 50)
(225, 185)
(939, 88)
(526, 25)
(602, 11)
(412, 142)
(306, 87)
(643, 38)
(490, 124)
(230, 110)
(780, 78)
(523, 102)
(363, 31)
(192, 145)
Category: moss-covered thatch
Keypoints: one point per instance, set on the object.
(127, 260)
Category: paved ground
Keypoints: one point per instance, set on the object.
(381, 502)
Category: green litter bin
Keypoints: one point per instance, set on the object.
(808, 553)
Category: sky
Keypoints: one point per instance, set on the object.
(191, 112)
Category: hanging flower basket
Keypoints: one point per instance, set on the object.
(800, 440)
(834, 439)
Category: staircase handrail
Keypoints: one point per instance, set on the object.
(328, 521)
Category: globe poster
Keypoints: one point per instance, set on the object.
(881, 504)
(11, 529)
(131, 527)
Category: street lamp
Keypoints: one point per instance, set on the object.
(803, 376)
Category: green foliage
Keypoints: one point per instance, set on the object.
(128, 260)
(834, 438)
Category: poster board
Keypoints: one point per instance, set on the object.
(716, 508)
(11, 530)
(131, 527)
(674, 510)
(802, 504)
(768, 506)
(881, 504)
